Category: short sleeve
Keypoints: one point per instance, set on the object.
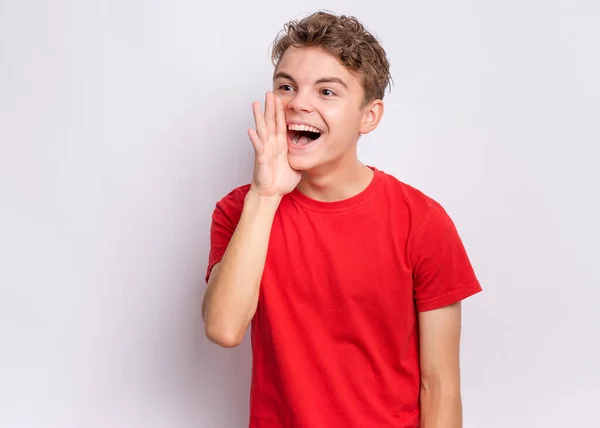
(442, 271)
(225, 218)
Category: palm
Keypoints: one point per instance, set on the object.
(273, 175)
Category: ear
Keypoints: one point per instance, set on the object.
(372, 114)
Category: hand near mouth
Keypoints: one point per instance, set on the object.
(273, 176)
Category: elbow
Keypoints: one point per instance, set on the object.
(225, 338)
(225, 341)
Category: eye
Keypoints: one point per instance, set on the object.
(285, 87)
(327, 92)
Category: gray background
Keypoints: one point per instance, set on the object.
(123, 122)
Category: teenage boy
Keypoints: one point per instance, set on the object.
(351, 279)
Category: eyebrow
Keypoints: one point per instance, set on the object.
(282, 75)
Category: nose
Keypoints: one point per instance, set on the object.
(300, 102)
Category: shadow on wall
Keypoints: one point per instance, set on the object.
(198, 383)
(226, 374)
(222, 389)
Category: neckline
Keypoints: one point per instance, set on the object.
(342, 205)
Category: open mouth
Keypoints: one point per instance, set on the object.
(301, 135)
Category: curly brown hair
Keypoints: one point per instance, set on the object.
(345, 38)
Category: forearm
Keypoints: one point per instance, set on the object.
(441, 405)
(231, 297)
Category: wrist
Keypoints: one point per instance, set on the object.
(259, 201)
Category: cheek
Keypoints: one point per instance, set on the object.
(285, 99)
(334, 118)
(342, 122)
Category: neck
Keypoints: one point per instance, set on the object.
(336, 183)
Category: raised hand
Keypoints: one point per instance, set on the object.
(273, 176)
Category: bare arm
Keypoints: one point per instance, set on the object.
(441, 403)
(232, 294)
(231, 297)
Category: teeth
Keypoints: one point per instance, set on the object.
(294, 127)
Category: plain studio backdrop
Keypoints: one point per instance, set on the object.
(123, 122)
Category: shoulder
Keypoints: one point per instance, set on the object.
(415, 200)
(232, 203)
(236, 196)
(423, 216)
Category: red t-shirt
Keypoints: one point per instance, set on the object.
(335, 335)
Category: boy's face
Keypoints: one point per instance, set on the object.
(319, 92)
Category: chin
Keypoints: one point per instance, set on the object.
(301, 163)
(310, 164)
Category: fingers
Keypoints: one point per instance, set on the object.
(256, 141)
(271, 123)
(259, 119)
(280, 118)
(270, 112)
